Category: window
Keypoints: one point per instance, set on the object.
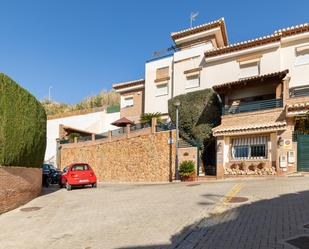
(302, 55)
(249, 148)
(79, 167)
(162, 73)
(162, 89)
(249, 69)
(192, 81)
(127, 101)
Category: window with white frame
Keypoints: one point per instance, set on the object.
(249, 69)
(162, 89)
(302, 55)
(192, 81)
(127, 101)
(249, 148)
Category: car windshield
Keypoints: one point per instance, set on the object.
(46, 167)
(78, 167)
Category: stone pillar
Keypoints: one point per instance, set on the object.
(75, 140)
(153, 125)
(286, 91)
(279, 91)
(220, 157)
(128, 130)
(92, 137)
(109, 135)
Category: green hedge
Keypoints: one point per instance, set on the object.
(22, 126)
(199, 112)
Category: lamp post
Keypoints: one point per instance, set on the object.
(177, 104)
(49, 95)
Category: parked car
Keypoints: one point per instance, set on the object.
(51, 175)
(78, 174)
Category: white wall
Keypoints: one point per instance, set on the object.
(155, 103)
(227, 70)
(299, 73)
(97, 122)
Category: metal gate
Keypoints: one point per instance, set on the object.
(303, 152)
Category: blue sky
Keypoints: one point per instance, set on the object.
(80, 47)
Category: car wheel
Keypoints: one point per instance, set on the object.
(94, 185)
(68, 186)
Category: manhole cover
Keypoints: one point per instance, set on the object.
(238, 199)
(30, 209)
(301, 242)
(194, 184)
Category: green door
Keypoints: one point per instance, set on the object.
(303, 152)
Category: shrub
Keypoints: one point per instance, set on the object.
(186, 168)
(22, 126)
(147, 117)
(199, 112)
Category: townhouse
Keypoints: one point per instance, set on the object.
(263, 85)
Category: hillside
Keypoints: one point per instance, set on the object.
(103, 99)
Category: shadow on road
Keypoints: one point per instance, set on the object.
(51, 189)
(266, 224)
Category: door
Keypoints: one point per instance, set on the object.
(303, 152)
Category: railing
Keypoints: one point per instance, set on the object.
(165, 127)
(299, 92)
(129, 131)
(253, 106)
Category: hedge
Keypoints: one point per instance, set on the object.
(199, 112)
(22, 126)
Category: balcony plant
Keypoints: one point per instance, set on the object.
(187, 171)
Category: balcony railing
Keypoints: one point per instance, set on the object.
(252, 106)
(299, 92)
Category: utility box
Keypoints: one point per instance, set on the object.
(291, 156)
(283, 161)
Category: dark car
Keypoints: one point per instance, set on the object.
(51, 175)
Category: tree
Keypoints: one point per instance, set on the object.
(147, 117)
(199, 112)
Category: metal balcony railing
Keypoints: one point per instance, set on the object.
(252, 106)
(299, 92)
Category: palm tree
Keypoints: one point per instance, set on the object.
(147, 117)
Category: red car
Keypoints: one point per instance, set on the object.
(78, 174)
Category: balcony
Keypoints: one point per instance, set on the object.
(252, 106)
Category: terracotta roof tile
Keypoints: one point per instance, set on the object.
(280, 74)
(203, 27)
(128, 84)
(224, 129)
(276, 36)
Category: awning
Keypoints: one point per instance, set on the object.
(123, 122)
(251, 80)
(248, 129)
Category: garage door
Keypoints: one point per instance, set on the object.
(303, 152)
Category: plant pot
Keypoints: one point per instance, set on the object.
(190, 178)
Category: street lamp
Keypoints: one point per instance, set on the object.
(49, 95)
(177, 104)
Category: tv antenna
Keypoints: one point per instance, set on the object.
(192, 17)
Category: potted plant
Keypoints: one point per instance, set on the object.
(187, 171)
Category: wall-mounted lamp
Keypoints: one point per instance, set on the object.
(280, 142)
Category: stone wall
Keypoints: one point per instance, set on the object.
(18, 185)
(132, 158)
(188, 154)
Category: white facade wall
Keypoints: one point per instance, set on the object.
(97, 122)
(154, 103)
(299, 73)
(276, 56)
(227, 70)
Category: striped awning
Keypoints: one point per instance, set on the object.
(249, 141)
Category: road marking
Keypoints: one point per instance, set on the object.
(226, 199)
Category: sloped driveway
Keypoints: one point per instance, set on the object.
(111, 216)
